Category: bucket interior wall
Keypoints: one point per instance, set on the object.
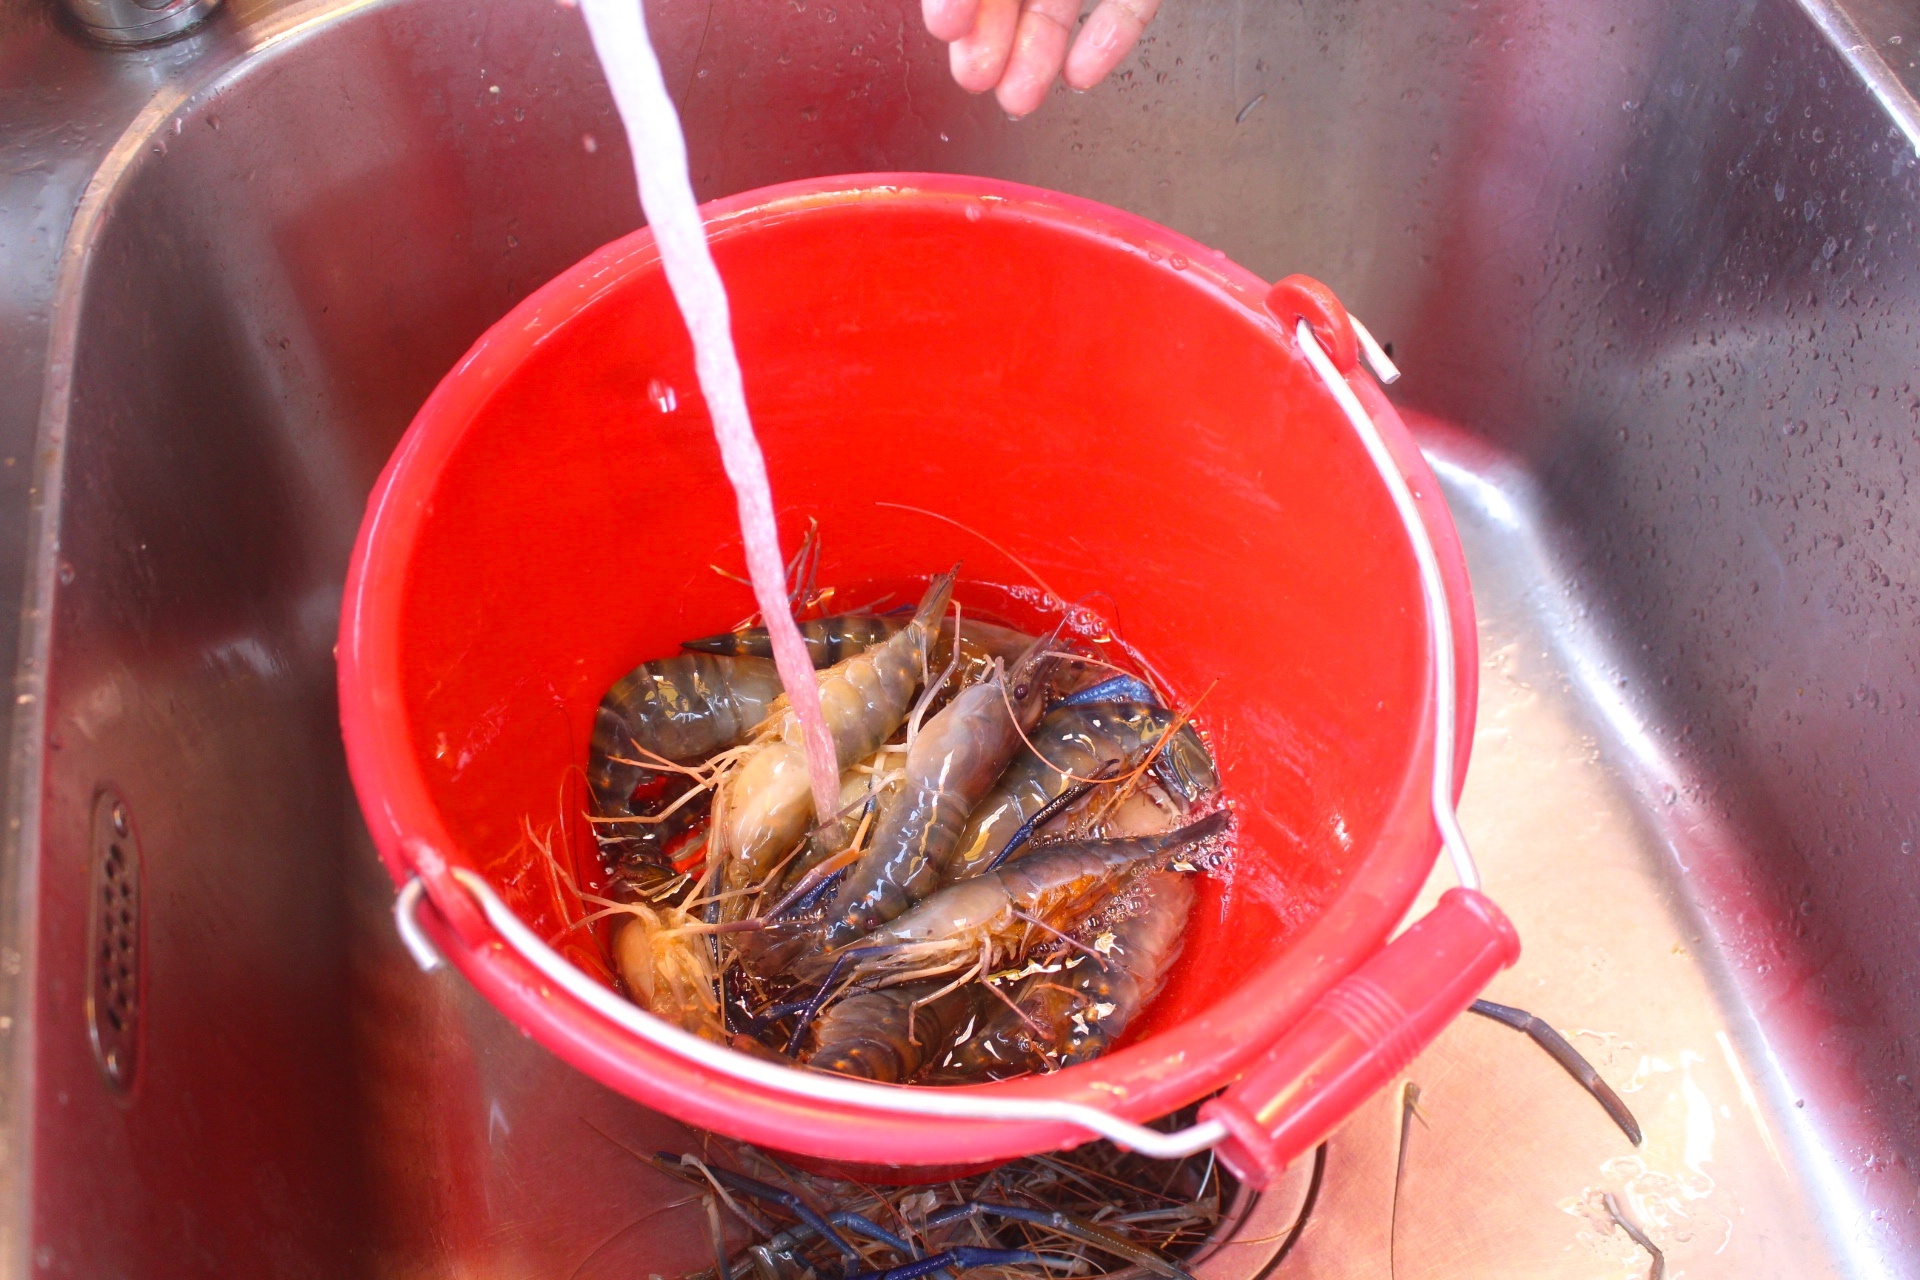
(1142, 447)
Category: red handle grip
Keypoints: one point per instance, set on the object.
(1360, 1034)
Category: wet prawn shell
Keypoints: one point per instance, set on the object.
(668, 973)
(1073, 742)
(1047, 886)
(866, 1035)
(954, 760)
(766, 801)
(832, 639)
(682, 708)
(1143, 950)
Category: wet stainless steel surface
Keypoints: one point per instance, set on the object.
(1507, 1160)
(1656, 263)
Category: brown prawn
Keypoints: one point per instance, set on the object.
(668, 969)
(1076, 1009)
(841, 636)
(889, 1034)
(680, 709)
(829, 640)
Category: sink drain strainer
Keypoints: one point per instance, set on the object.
(113, 942)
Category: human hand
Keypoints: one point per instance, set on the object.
(1017, 47)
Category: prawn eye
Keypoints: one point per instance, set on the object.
(1020, 691)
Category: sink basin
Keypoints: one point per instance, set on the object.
(1650, 276)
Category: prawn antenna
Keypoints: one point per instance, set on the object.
(1022, 565)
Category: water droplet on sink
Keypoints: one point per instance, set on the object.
(662, 396)
(1177, 262)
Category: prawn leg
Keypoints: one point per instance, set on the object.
(1542, 1033)
(960, 1257)
(1066, 1224)
(791, 1201)
(1120, 688)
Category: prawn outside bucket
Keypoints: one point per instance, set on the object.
(1148, 426)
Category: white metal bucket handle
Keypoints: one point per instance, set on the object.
(952, 1104)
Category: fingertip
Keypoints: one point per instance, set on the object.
(979, 58)
(1106, 39)
(1019, 97)
(1039, 48)
(970, 71)
(949, 20)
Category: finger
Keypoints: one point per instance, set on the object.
(949, 19)
(1039, 49)
(1109, 36)
(980, 56)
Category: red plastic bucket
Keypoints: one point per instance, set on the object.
(1124, 410)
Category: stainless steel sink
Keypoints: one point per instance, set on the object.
(1650, 270)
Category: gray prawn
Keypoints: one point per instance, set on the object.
(681, 709)
(1055, 1019)
(765, 804)
(954, 760)
(829, 640)
(978, 925)
(1070, 744)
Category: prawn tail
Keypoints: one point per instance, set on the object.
(1181, 838)
(933, 605)
(1185, 767)
(732, 644)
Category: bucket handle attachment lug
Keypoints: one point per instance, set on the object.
(1298, 298)
(433, 878)
(1360, 1035)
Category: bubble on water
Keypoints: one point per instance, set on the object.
(589, 143)
(975, 213)
(662, 396)
(1177, 262)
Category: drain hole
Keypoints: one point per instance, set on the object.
(113, 983)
